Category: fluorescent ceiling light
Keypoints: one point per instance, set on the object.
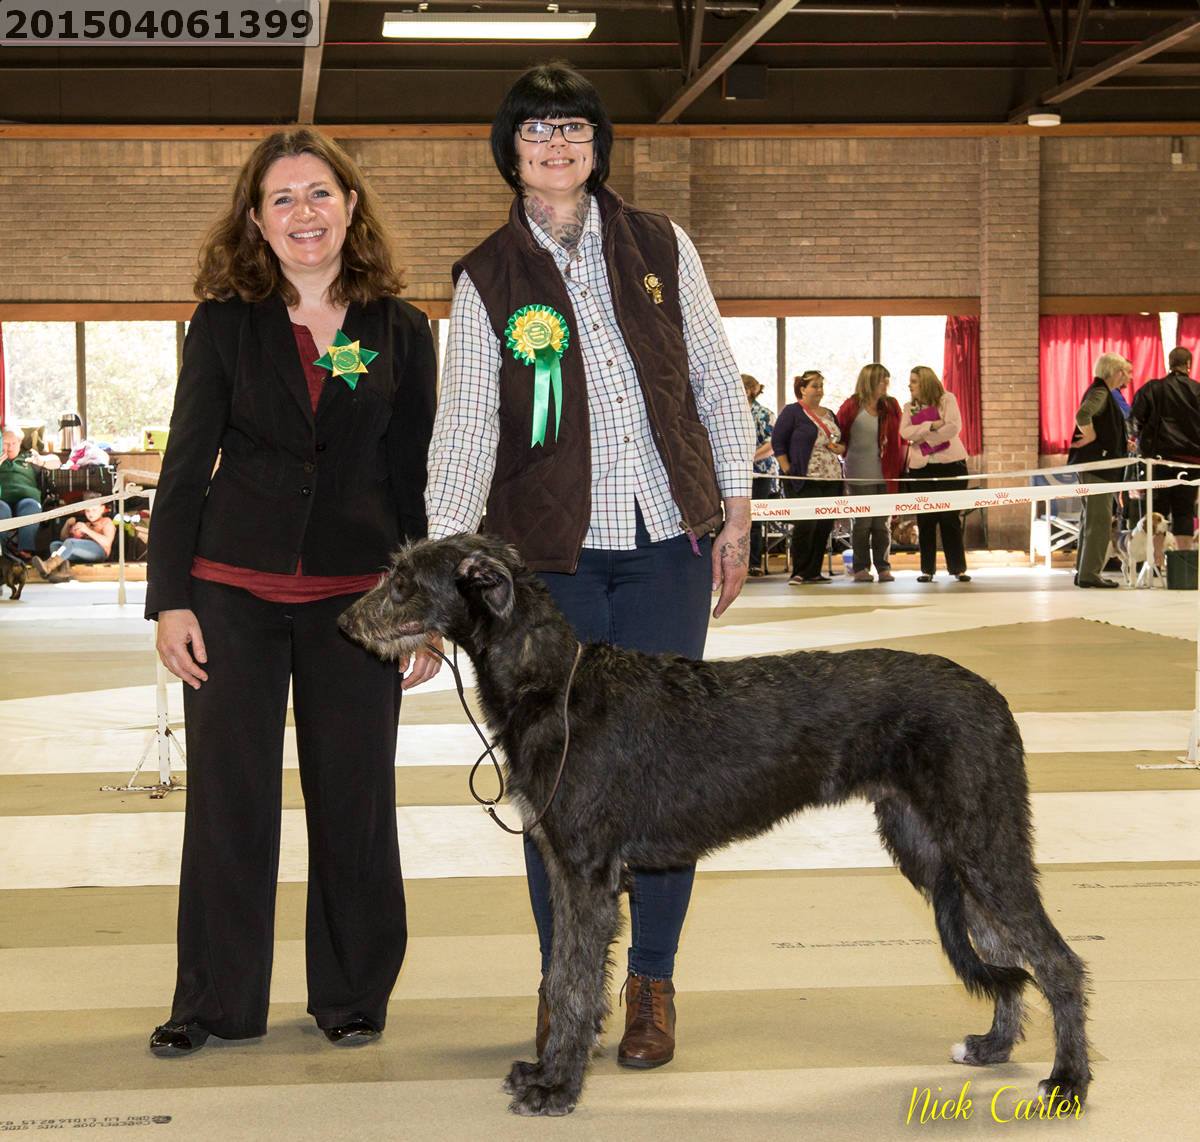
(489, 26)
(1044, 119)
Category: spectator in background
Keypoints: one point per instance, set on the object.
(86, 540)
(1099, 435)
(764, 484)
(932, 425)
(870, 424)
(19, 493)
(807, 442)
(1166, 421)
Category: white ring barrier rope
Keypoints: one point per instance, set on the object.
(1057, 470)
(915, 503)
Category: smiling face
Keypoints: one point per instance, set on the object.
(12, 445)
(557, 170)
(303, 215)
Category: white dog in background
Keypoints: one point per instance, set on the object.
(1130, 547)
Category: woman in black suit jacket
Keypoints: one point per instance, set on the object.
(319, 475)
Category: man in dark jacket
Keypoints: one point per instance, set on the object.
(1099, 435)
(1166, 417)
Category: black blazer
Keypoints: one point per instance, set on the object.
(339, 490)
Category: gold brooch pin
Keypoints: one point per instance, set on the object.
(653, 288)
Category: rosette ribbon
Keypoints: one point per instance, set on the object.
(538, 336)
(346, 359)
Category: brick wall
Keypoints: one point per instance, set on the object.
(808, 218)
(1118, 217)
(837, 217)
(1008, 301)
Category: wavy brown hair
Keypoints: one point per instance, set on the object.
(929, 388)
(235, 260)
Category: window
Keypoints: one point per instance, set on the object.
(753, 341)
(130, 378)
(39, 359)
(905, 342)
(838, 346)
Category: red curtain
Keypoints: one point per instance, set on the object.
(1068, 347)
(960, 374)
(1187, 334)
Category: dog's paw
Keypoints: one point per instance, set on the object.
(540, 1100)
(980, 1051)
(1064, 1097)
(521, 1076)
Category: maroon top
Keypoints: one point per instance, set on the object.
(297, 588)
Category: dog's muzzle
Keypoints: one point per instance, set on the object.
(372, 621)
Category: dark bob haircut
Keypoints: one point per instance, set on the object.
(550, 91)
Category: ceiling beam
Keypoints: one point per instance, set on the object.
(1072, 52)
(1051, 37)
(695, 37)
(310, 78)
(1113, 66)
(741, 41)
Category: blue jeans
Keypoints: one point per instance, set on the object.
(27, 535)
(655, 599)
(79, 551)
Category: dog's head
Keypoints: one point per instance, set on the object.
(459, 587)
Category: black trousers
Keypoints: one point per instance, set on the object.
(941, 478)
(760, 490)
(346, 705)
(810, 537)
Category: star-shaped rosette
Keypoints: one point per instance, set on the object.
(538, 336)
(346, 359)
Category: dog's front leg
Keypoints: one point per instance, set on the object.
(585, 923)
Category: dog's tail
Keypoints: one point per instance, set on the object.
(979, 978)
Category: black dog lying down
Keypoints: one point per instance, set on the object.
(670, 759)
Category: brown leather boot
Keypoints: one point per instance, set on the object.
(47, 567)
(649, 1039)
(543, 1021)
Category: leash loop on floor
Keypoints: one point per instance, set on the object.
(489, 803)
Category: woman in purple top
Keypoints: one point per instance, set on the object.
(807, 442)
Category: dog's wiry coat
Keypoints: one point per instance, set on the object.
(671, 759)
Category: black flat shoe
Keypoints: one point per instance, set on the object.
(173, 1039)
(963, 578)
(1096, 583)
(356, 1033)
(924, 578)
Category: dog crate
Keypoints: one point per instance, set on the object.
(1181, 570)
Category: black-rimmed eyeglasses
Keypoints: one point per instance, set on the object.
(539, 131)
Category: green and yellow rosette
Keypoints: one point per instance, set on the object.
(346, 359)
(538, 336)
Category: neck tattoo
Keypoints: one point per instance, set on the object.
(566, 230)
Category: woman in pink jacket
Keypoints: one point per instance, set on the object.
(937, 462)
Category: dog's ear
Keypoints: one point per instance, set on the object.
(488, 580)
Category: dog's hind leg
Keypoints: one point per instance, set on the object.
(1008, 1021)
(922, 859)
(586, 918)
(1015, 906)
(1063, 980)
